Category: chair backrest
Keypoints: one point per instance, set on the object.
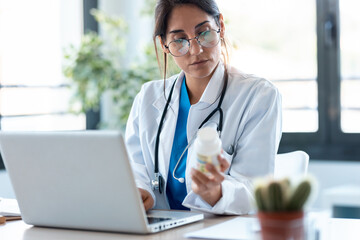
(292, 164)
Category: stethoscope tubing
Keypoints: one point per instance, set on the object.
(158, 182)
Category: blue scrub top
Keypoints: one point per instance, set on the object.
(175, 190)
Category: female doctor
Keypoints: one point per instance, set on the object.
(166, 115)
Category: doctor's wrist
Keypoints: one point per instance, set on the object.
(213, 196)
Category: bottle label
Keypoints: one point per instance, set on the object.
(202, 160)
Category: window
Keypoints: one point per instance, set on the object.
(310, 50)
(350, 66)
(274, 40)
(34, 95)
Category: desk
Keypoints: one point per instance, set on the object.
(18, 230)
(334, 229)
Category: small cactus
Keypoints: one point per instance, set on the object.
(299, 196)
(277, 195)
(260, 201)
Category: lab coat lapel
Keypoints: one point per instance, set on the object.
(198, 112)
(160, 102)
(169, 124)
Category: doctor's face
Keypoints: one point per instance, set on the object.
(187, 22)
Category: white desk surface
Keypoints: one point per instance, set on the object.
(18, 230)
(333, 229)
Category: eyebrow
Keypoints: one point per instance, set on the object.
(197, 26)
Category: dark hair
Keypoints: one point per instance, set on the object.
(162, 12)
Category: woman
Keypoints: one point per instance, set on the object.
(193, 32)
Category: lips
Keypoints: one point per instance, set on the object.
(198, 62)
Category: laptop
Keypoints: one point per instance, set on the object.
(80, 180)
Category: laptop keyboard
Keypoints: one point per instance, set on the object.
(152, 220)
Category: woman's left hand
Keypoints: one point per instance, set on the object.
(209, 187)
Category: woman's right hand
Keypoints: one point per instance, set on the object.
(147, 199)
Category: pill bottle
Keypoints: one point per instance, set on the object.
(207, 147)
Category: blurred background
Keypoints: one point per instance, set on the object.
(77, 64)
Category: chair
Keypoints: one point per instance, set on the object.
(292, 164)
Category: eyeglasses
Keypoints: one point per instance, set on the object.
(180, 47)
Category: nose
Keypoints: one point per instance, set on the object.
(195, 47)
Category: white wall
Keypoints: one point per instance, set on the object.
(140, 27)
(334, 173)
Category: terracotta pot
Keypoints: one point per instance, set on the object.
(282, 225)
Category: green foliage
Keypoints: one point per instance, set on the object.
(97, 65)
(90, 71)
(124, 92)
(278, 195)
(148, 10)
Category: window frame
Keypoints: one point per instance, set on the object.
(90, 24)
(329, 142)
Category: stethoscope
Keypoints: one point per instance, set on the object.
(158, 182)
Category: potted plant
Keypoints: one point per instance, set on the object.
(280, 208)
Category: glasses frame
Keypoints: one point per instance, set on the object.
(188, 40)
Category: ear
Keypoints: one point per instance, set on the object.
(222, 26)
(165, 50)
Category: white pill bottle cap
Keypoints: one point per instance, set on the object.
(207, 142)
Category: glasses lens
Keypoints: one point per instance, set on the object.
(179, 47)
(209, 38)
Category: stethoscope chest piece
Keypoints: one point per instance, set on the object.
(158, 183)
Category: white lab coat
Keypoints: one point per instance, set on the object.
(250, 137)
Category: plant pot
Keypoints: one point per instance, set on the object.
(282, 225)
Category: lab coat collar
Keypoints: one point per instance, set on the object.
(160, 102)
(214, 87)
(210, 95)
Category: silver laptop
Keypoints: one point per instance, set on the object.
(80, 180)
